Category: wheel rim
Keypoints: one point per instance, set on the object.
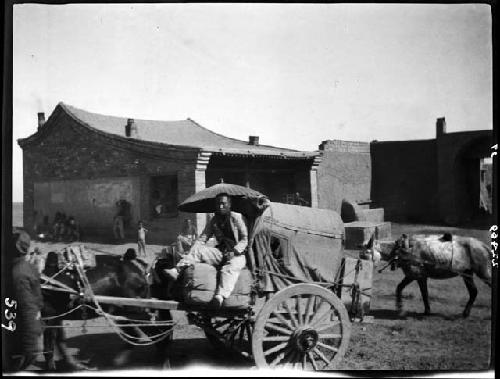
(303, 326)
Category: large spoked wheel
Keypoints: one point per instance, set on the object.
(303, 326)
(232, 335)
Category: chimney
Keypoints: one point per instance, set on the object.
(41, 119)
(440, 127)
(253, 140)
(131, 129)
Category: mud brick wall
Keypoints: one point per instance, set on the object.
(344, 172)
(405, 179)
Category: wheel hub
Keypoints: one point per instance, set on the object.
(306, 339)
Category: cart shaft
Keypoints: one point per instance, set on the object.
(138, 302)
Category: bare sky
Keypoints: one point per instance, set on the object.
(293, 74)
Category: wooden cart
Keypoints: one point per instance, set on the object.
(294, 317)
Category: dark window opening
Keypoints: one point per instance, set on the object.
(279, 249)
(164, 196)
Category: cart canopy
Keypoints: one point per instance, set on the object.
(291, 244)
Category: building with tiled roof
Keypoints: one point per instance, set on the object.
(81, 163)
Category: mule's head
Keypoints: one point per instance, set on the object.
(134, 279)
(371, 251)
(392, 251)
(159, 280)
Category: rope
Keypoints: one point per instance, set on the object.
(56, 283)
(65, 313)
(61, 270)
(119, 331)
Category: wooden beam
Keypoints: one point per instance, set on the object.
(138, 302)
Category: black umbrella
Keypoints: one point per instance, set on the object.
(204, 201)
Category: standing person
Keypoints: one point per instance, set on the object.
(28, 294)
(187, 237)
(37, 260)
(141, 239)
(299, 200)
(231, 234)
(118, 228)
(73, 229)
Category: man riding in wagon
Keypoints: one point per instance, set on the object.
(231, 235)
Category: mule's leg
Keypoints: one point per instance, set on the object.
(422, 283)
(399, 291)
(70, 361)
(471, 287)
(123, 356)
(48, 347)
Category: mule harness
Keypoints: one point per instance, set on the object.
(88, 294)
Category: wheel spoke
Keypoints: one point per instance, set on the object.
(280, 356)
(292, 316)
(321, 355)
(311, 358)
(283, 320)
(242, 333)
(332, 348)
(326, 326)
(220, 323)
(299, 310)
(318, 305)
(278, 329)
(233, 333)
(229, 333)
(276, 338)
(309, 309)
(249, 332)
(292, 358)
(330, 335)
(319, 320)
(316, 312)
(276, 348)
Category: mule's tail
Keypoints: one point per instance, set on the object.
(480, 257)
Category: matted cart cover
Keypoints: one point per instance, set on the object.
(291, 243)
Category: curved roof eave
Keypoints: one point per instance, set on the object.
(61, 107)
(243, 150)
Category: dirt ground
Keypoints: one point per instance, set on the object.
(441, 341)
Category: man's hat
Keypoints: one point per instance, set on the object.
(23, 243)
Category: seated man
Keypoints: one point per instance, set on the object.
(231, 234)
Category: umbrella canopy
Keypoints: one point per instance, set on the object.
(204, 201)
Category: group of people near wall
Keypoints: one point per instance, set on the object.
(63, 227)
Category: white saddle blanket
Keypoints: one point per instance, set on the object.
(445, 254)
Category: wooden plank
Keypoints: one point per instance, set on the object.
(139, 302)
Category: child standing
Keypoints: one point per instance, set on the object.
(141, 239)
